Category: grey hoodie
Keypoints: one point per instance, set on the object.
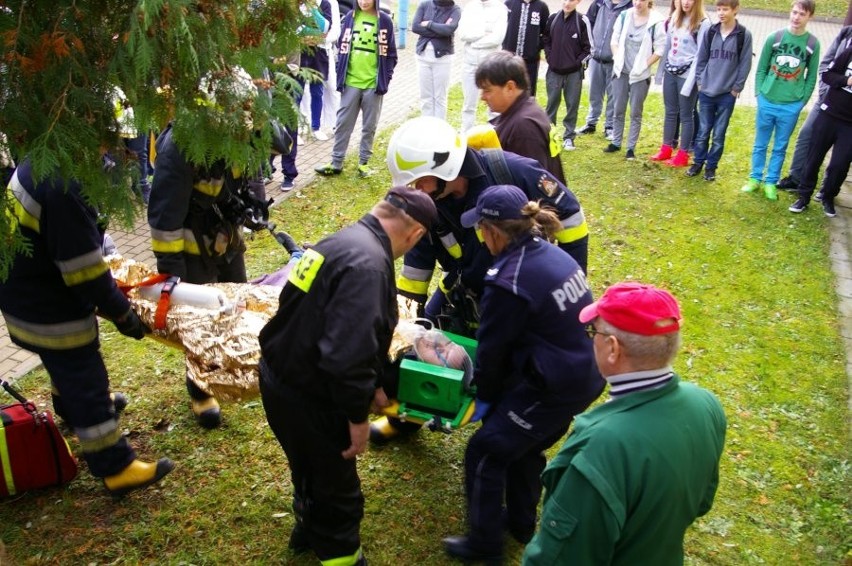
(602, 15)
(719, 66)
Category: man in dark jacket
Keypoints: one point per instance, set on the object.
(567, 48)
(49, 302)
(524, 32)
(321, 367)
(521, 125)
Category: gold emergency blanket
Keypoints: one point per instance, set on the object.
(220, 345)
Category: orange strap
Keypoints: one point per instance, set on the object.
(152, 280)
(163, 303)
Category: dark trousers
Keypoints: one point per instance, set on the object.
(504, 460)
(532, 71)
(714, 114)
(828, 133)
(327, 499)
(80, 378)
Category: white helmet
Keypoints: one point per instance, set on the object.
(425, 146)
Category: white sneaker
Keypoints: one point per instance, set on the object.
(320, 135)
(568, 145)
(300, 140)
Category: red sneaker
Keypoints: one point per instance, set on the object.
(664, 153)
(681, 159)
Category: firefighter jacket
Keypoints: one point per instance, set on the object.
(191, 211)
(460, 251)
(335, 320)
(50, 297)
(530, 333)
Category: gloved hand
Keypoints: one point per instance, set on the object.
(481, 408)
(131, 325)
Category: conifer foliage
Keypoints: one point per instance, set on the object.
(181, 60)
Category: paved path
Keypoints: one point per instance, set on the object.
(402, 100)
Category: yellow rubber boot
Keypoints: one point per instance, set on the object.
(381, 431)
(137, 475)
(207, 412)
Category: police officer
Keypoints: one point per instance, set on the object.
(49, 302)
(429, 154)
(322, 358)
(535, 368)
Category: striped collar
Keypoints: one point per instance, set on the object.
(631, 382)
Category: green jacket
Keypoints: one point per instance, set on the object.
(632, 476)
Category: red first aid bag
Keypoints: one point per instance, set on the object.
(33, 453)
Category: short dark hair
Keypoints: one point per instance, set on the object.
(499, 68)
(808, 6)
(732, 4)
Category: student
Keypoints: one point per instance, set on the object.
(602, 15)
(365, 67)
(435, 21)
(832, 129)
(803, 138)
(567, 48)
(686, 29)
(721, 70)
(785, 78)
(522, 126)
(638, 40)
(481, 30)
(524, 34)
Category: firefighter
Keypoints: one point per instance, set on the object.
(428, 153)
(197, 214)
(321, 367)
(49, 302)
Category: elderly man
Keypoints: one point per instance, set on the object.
(321, 367)
(638, 470)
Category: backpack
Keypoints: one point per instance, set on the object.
(811, 46)
(738, 29)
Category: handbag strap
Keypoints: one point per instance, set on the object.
(13, 392)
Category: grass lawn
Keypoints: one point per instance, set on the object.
(761, 331)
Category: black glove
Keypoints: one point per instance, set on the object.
(131, 325)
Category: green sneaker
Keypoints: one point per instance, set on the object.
(328, 170)
(771, 191)
(751, 186)
(364, 171)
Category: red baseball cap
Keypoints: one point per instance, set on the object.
(637, 308)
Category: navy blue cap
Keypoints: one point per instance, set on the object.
(500, 202)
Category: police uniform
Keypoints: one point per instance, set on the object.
(194, 232)
(459, 250)
(322, 355)
(49, 302)
(536, 366)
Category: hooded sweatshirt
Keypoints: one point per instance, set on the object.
(385, 45)
(602, 15)
(653, 41)
(482, 28)
(721, 67)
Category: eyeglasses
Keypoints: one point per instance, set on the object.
(591, 331)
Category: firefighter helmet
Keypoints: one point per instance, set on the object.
(425, 146)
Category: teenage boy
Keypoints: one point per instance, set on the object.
(524, 33)
(722, 66)
(522, 126)
(567, 48)
(785, 78)
(602, 15)
(365, 67)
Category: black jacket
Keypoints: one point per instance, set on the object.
(443, 17)
(526, 42)
(335, 321)
(567, 42)
(50, 296)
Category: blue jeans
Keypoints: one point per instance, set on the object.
(779, 119)
(714, 114)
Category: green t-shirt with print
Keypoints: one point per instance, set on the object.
(363, 69)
